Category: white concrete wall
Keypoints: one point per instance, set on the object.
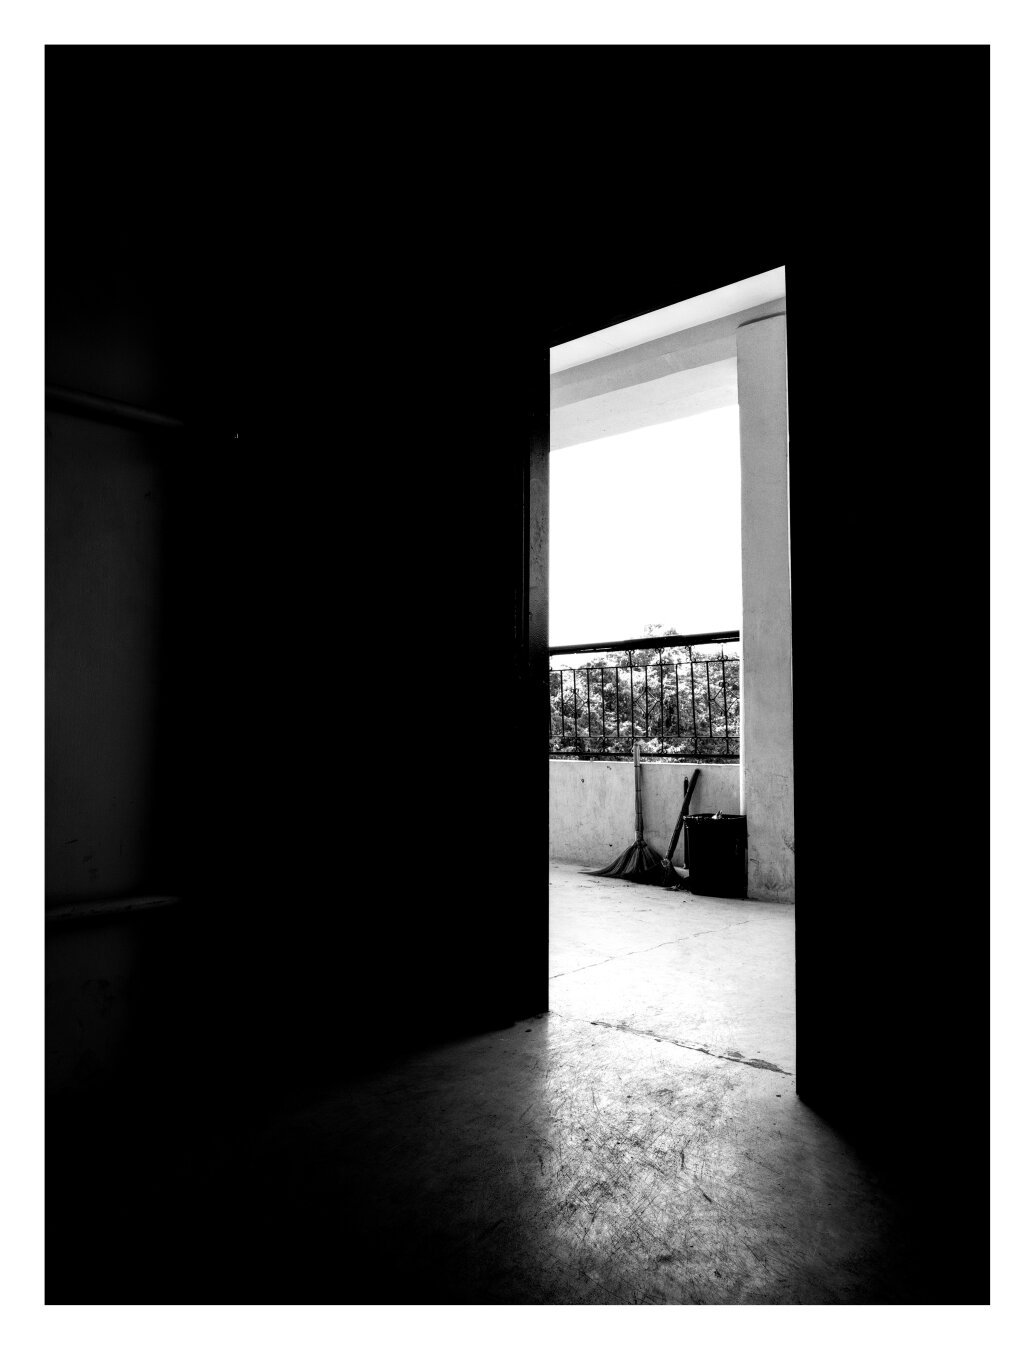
(593, 808)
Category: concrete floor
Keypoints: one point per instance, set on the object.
(641, 1143)
(713, 975)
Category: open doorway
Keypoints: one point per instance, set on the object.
(666, 512)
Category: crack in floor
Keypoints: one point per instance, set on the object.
(641, 950)
(683, 1045)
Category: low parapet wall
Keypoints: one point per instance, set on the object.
(593, 810)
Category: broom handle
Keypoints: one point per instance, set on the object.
(682, 812)
(636, 782)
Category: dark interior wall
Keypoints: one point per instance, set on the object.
(106, 835)
(106, 501)
(892, 917)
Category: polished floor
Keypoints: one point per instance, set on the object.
(641, 1143)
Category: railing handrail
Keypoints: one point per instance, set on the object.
(649, 643)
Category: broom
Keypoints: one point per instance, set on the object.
(664, 874)
(639, 857)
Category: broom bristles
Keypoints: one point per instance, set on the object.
(637, 859)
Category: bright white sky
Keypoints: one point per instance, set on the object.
(645, 528)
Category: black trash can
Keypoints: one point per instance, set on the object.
(715, 853)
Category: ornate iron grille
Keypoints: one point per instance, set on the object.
(678, 695)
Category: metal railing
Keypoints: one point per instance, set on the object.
(684, 705)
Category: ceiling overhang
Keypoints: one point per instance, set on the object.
(675, 362)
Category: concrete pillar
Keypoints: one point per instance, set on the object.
(766, 752)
